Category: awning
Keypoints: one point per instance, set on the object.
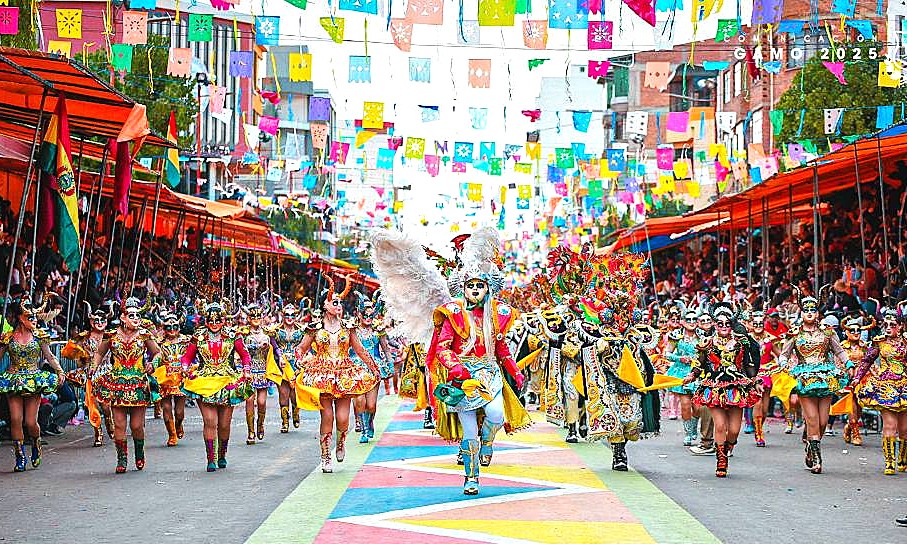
(94, 107)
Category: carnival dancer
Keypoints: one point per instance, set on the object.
(885, 389)
(769, 349)
(288, 334)
(126, 386)
(81, 348)
(776, 327)
(727, 365)
(262, 350)
(681, 350)
(24, 382)
(814, 357)
(375, 343)
(331, 370)
(170, 376)
(215, 381)
(856, 349)
(669, 330)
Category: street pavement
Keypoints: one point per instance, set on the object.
(75, 497)
(407, 488)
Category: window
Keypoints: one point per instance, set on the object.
(738, 78)
(726, 86)
(756, 125)
(802, 48)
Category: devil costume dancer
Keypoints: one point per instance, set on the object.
(467, 346)
(81, 348)
(817, 361)
(24, 382)
(126, 386)
(170, 377)
(332, 371)
(726, 371)
(262, 349)
(885, 389)
(769, 349)
(215, 381)
(375, 342)
(288, 334)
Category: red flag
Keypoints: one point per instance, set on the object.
(122, 177)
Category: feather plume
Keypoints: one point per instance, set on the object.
(411, 285)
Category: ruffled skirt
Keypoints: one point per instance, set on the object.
(727, 388)
(822, 380)
(888, 391)
(26, 383)
(338, 378)
(385, 368)
(125, 389)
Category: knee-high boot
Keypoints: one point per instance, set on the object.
(172, 439)
(469, 451)
(21, 459)
(209, 456)
(139, 445)
(260, 430)
(250, 427)
(890, 451)
(487, 433)
(758, 422)
(122, 455)
(326, 452)
(222, 444)
(284, 419)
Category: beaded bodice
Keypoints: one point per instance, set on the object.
(258, 343)
(172, 349)
(813, 347)
(332, 345)
(215, 352)
(892, 356)
(371, 342)
(724, 352)
(128, 354)
(855, 350)
(23, 357)
(288, 339)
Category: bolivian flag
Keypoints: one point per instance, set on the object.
(173, 155)
(55, 162)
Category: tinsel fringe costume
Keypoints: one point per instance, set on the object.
(331, 370)
(126, 384)
(885, 386)
(816, 371)
(24, 376)
(171, 352)
(723, 382)
(217, 379)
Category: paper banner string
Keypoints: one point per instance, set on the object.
(300, 65)
(69, 23)
(241, 63)
(470, 33)
(402, 33)
(535, 35)
(425, 12)
(179, 63)
(135, 27)
(334, 26)
(837, 69)
(64, 48)
(568, 14)
(420, 69)
(599, 34)
(534, 63)
(480, 73)
(497, 12)
(201, 28)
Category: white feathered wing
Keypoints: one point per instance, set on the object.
(411, 285)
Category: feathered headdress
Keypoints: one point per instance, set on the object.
(479, 259)
(412, 286)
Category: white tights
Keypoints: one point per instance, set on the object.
(494, 412)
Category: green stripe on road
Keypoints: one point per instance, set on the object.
(301, 515)
(664, 519)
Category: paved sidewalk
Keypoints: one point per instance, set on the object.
(538, 489)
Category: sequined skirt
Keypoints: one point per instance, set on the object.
(887, 391)
(124, 388)
(338, 377)
(727, 388)
(26, 383)
(680, 370)
(819, 380)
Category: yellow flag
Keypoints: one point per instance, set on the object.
(373, 115)
(307, 397)
(843, 406)
(890, 72)
(207, 385)
(363, 136)
(662, 381)
(628, 371)
(529, 359)
(69, 23)
(272, 371)
(533, 150)
(580, 384)
(163, 378)
(782, 385)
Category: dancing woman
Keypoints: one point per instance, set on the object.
(332, 371)
(81, 348)
(769, 349)
(126, 386)
(173, 400)
(376, 344)
(24, 382)
(727, 365)
(885, 390)
(814, 357)
(288, 334)
(215, 382)
(262, 348)
(856, 349)
(681, 351)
